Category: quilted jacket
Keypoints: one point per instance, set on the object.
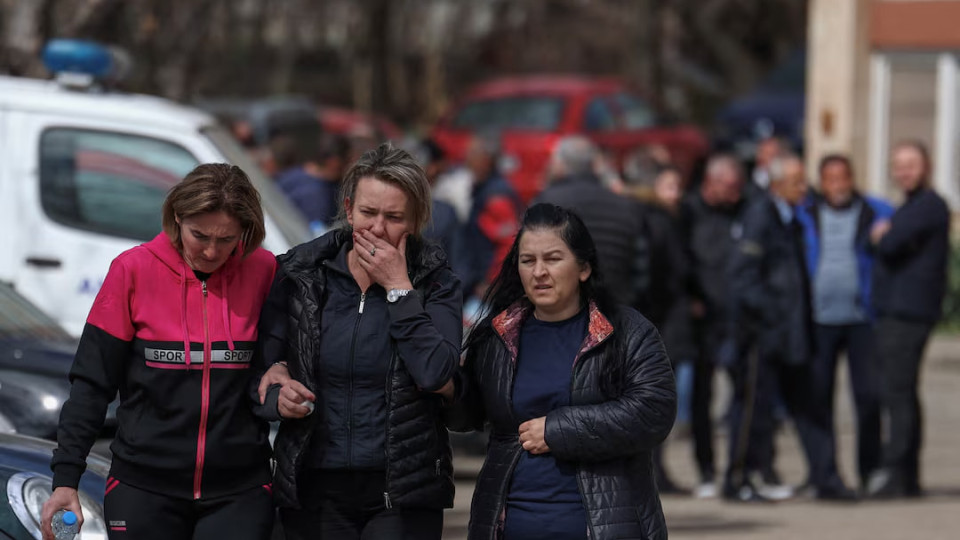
(610, 438)
(419, 468)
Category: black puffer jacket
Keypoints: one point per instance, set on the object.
(610, 439)
(419, 470)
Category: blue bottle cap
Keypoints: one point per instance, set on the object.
(69, 518)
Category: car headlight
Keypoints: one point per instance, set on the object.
(27, 491)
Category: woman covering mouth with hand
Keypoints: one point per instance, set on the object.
(577, 392)
(363, 330)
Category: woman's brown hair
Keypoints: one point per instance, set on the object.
(215, 187)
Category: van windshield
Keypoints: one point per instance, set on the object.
(287, 218)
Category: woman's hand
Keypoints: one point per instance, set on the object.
(277, 374)
(531, 436)
(295, 400)
(63, 498)
(385, 264)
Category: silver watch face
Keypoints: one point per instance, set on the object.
(395, 294)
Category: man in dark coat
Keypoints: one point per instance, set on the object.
(771, 315)
(615, 222)
(710, 225)
(910, 281)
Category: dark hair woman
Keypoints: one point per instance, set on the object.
(365, 322)
(577, 392)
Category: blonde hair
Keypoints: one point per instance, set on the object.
(215, 187)
(396, 167)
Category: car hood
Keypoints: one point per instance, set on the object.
(22, 453)
(41, 358)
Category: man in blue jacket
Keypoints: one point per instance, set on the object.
(839, 261)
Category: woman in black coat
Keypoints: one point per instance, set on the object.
(577, 392)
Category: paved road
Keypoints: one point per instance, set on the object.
(936, 517)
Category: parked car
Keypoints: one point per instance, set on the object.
(774, 108)
(532, 113)
(35, 359)
(25, 477)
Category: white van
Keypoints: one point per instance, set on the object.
(83, 174)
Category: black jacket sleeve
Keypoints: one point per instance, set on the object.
(638, 420)
(428, 331)
(97, 372)
(271, 346)
(467, 411)
(748, 294)
(912, 226)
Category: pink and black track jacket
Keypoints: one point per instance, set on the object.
(186, 427)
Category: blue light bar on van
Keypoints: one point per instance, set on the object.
(79, 57)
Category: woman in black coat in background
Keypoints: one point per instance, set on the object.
(577, 391)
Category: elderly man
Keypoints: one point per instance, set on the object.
(771, 316)
(840, 265)
(615, 222)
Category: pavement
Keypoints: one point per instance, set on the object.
(933, 517)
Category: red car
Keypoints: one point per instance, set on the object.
(532, 113)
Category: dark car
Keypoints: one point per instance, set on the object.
(532, 113)
(26, 486)
(35, 359)
(775, 108)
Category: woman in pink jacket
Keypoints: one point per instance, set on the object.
(173, 331)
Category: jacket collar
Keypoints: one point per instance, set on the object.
(509, 322)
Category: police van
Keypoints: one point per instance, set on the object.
(84, 171)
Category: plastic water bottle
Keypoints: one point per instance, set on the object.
(65, 525)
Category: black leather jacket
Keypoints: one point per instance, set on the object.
(610, 439)
(424, 332)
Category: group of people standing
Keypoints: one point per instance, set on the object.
(353, 343)
(784, 280)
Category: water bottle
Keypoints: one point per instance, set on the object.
(65, 525)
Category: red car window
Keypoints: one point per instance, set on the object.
(635, 112)
(597, 116)
(541, 113)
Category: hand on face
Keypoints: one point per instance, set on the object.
(385, 264)
(381, 219)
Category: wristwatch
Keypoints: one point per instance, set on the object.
(396, 294)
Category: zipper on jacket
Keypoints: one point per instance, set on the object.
(353, 353)
(204, 399)
(386, 500)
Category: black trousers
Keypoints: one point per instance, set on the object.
(349, 505)
(901, 344)
(135, 514)
(709, 338)
(757, 381)
(858, 341)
